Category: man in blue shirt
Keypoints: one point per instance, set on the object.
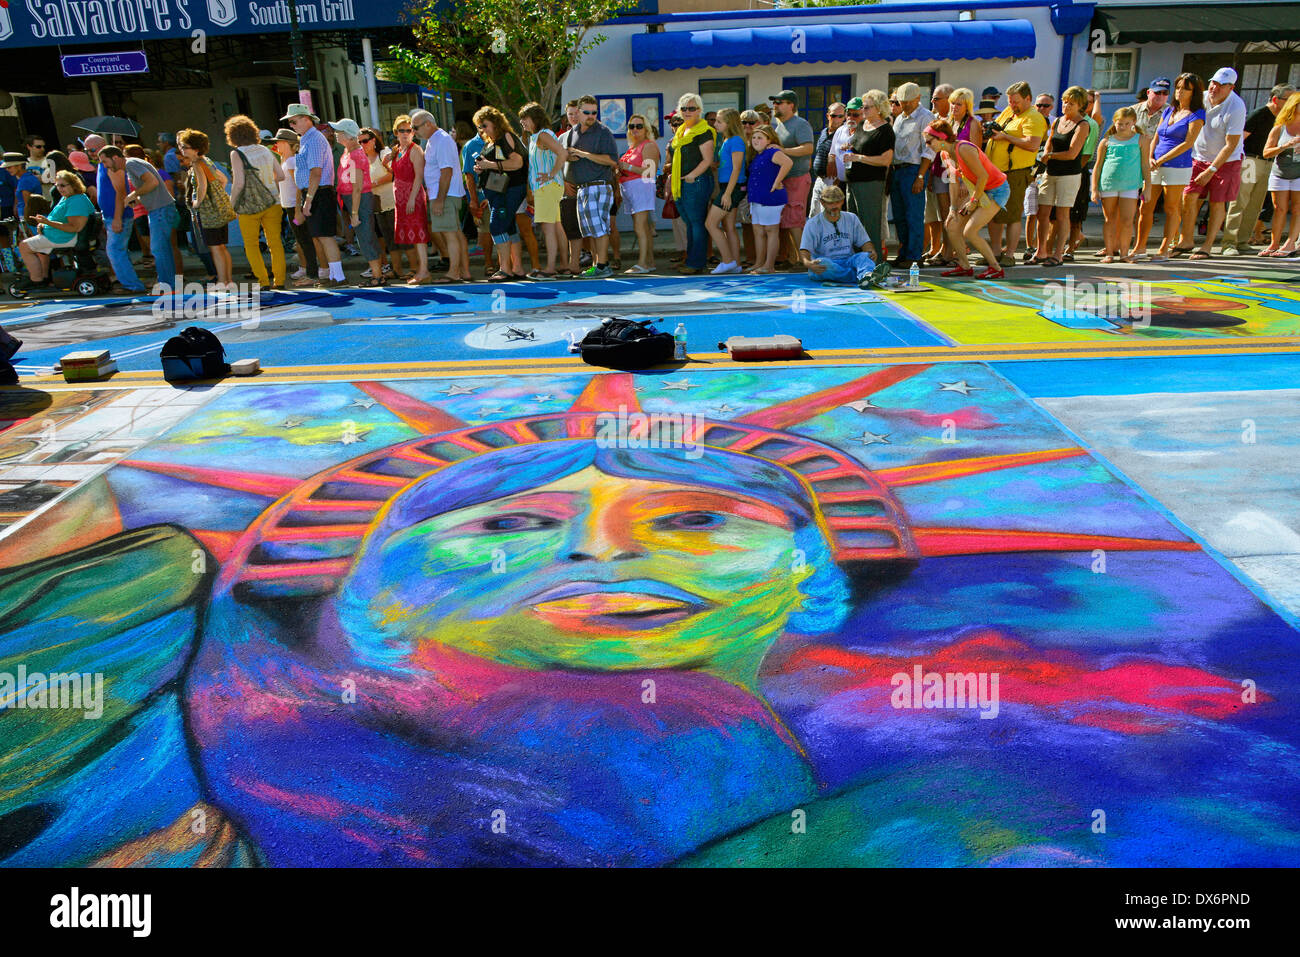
(313, 171)
(468, 155)
(834, 245)
(26, 182)
(171, 158)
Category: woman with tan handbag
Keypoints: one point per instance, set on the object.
(206, 194)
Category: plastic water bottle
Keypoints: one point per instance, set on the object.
(679, 341)
(914, 277)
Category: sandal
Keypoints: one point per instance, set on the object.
(1177, 251)
(1199, 254)
(541, 274)
(500, 276)
(1050, 262)
(1270, 251)
(371, 283)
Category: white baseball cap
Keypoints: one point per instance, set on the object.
(1224, 75)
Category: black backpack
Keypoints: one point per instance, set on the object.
(626, 344)
(194, 354)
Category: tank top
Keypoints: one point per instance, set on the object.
(542, 168)
(502, 150)
(633, 157)
(1287, 165)
(995, 176)
(1122, 169)
(1061, 144)
(762, 174)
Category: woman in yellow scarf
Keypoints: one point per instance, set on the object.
(693, 181)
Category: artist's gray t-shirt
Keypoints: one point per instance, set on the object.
(156, 198)
(795, 132)
(839, 240)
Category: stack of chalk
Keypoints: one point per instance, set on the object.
(87, 366)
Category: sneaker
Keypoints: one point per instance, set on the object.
(877, 278)
(1230, 251)
(299, 273)
(366, 274)
(352, 250)
(638, 270)
(720, 269)
(597, 272)
(733, 268)
(584, 259)
(388, 269)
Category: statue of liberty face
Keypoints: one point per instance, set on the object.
(588, 571)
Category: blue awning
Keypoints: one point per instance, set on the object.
(833, 43)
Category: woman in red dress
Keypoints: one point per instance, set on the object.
(412, 223)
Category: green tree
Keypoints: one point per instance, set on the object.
(508, 52)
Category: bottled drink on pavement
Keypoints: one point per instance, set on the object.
(679, 341)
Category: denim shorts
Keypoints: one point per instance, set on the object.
(1000, 195)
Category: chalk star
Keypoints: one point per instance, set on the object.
(861, 405)
(363, 403)
(723, 409)
(543, 398)
(638, 388)
(293, 421)
(351, 436)
(870, 438)
(961, 387)
(459, 390)
(682, 385)
(493, 411)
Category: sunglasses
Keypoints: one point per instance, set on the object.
(749, 122)
(407, 130)
(836, 116)
(365, 139)
(588, 112)
(636, 126)
(689, 109)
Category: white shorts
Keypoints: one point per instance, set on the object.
(1031, 198)
(1121, 193)
(40, 243)
(1276, 184)
(638, 196)
(1171, 176)
(1060, 190)
(765, 215)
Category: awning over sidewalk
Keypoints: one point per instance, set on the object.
(1200, 23)
(833, 43)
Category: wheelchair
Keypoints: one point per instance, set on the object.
(72, 268)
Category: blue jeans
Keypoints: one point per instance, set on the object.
(853, 269)
(161, 223)
(909, 211)
(118, 257)
(504, 206)
(694, 210)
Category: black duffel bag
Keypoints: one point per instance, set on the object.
(194, 354)
(626, 344)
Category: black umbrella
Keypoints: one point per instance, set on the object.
(108, 125)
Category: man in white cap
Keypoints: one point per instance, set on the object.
(1216, 162)
(313, 172)
(834, 245)
(445, 185)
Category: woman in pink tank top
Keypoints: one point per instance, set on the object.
(988, 188)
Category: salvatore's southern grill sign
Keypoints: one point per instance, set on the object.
(25, 23)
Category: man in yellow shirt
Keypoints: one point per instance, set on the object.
(1013, 150)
